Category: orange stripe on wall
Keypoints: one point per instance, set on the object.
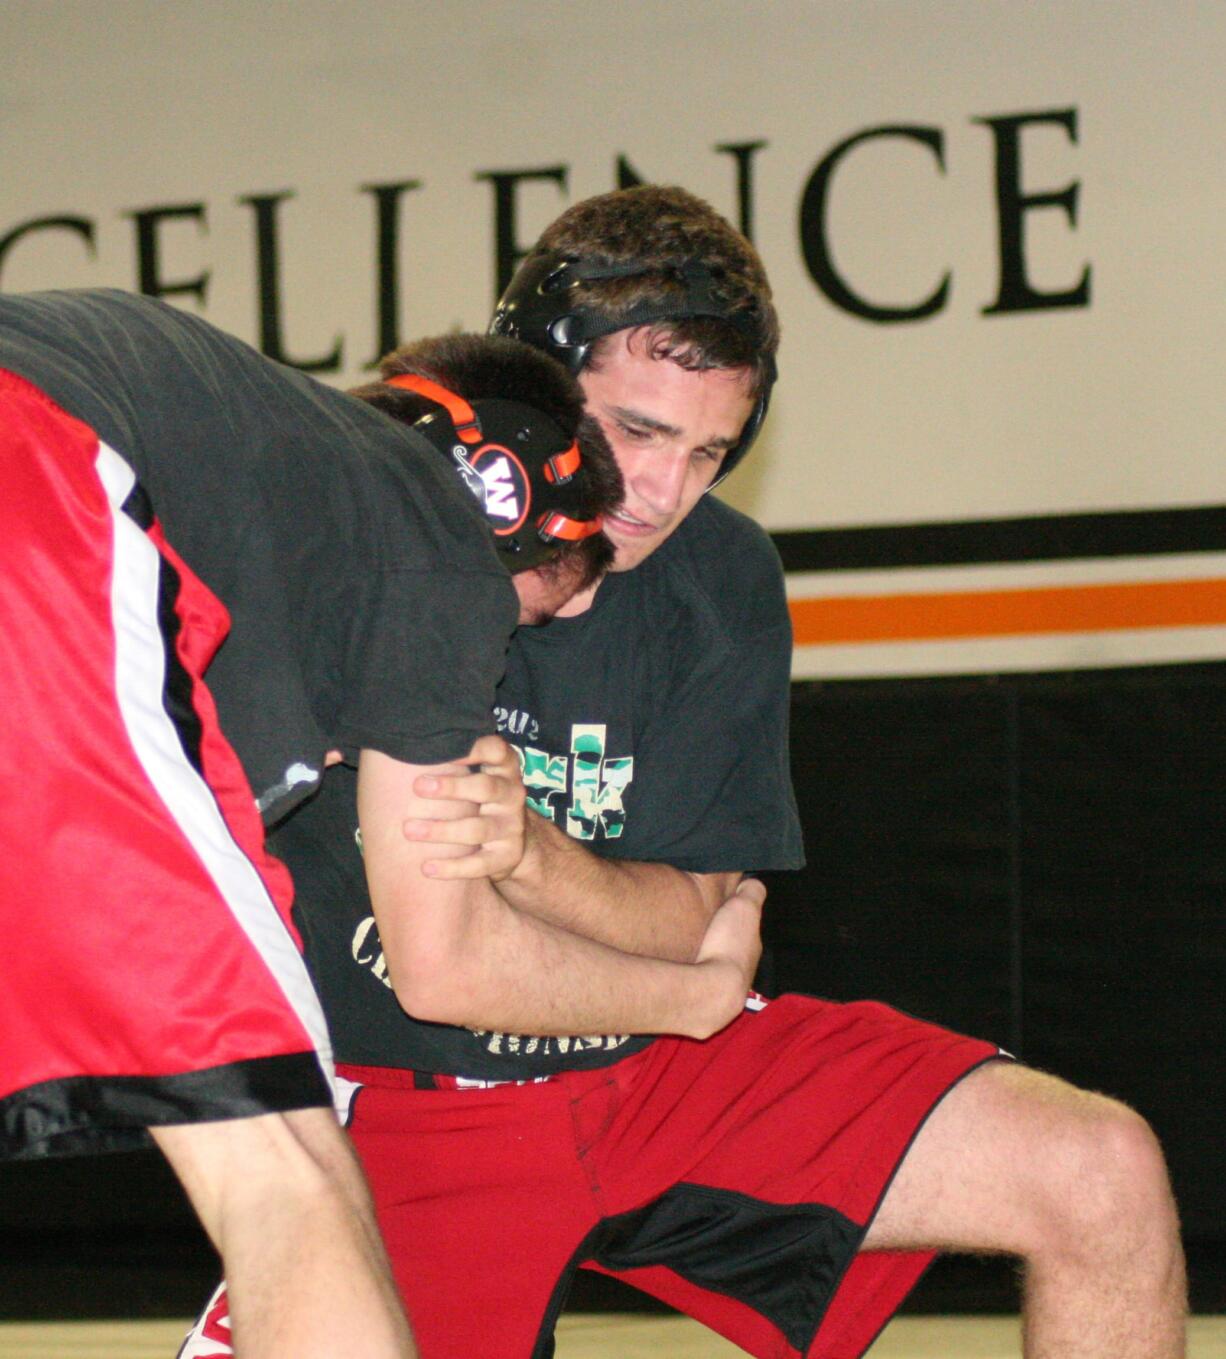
(1003, 613)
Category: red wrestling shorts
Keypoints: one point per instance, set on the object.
(150, 974)
(735, 1179)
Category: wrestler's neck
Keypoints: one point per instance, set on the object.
(579, 603)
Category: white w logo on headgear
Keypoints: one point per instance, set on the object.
(500, 498)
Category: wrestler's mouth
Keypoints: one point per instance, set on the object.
(623, 522)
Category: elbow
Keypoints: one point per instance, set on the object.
(426, 1000)
(430, 988)
(417, 999)
(437, 952)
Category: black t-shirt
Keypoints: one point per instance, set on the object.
(652, 727)
(368, 608)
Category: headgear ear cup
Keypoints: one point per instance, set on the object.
(539, 307)
(518, 464)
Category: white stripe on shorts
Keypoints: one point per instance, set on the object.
(140, 666)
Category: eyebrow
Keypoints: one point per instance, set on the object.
(634, 417)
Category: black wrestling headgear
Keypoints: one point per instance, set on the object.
(539, 308)
(517, 463)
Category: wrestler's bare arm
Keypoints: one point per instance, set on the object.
(459, 953)
(648, 908)
(651, 909)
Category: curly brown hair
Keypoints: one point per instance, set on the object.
(664, 227)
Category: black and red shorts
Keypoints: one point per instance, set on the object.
(735, 1179)
(150, 973)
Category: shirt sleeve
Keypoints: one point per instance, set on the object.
(423, 656)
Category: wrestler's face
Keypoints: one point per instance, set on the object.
(670, 429)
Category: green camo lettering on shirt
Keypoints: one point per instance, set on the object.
(597, 784)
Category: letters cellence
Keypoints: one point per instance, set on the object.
(1012, 206)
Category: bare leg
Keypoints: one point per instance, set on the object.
(285, 1204)
(1020, 1163)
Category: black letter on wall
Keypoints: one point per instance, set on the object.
(149, 274)
(627, 176)
(81, 225)
(813, 235)
(743, 152)
(268, 271)
(1016, 294)
(387, 270)
(507, 253)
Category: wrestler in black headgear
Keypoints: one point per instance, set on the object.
(518, 464)
(541, 308)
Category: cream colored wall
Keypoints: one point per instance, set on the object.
(113, 106)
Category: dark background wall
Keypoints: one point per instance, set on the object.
(1039, 860)
(1035, 859)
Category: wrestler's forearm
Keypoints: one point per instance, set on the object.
(459, 952)
(490, 966)
(648, 908)
(651, 909)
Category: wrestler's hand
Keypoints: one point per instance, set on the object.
(733, 943)
(493, 824)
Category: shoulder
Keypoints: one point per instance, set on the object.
(725, 563)
(715, 529)
(135, 353)
(146, 344)
(79, 315)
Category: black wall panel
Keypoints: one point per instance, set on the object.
(1040, 860)
(907, 801)
(1037, 859)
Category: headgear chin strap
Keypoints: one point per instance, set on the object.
(517, 463)
(539, 307)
